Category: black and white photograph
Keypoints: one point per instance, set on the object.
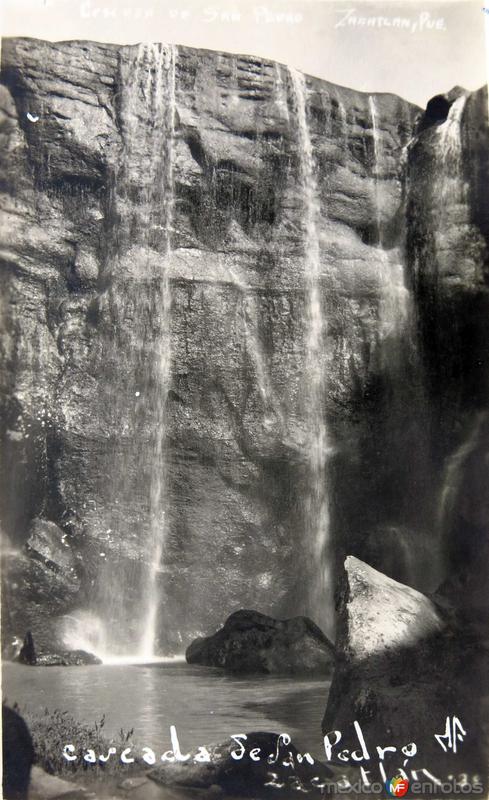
(244, 403)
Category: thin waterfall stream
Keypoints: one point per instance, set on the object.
(158, 92)
(122, 621)
(165, 124)
(320, 579)
(394, 295)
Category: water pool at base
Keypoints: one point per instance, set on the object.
(204, 704)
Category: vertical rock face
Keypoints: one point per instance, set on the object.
(448, 253)
(157, 390)
(448, 261)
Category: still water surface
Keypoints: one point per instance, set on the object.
(204, 705)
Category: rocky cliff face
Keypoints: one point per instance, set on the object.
(157, 239)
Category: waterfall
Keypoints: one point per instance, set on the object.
(450, 182)
(394, 295)
(377, 162)
(453, 474)
(162, 140)
(122, 620)
(450, 134)
(320, 589)
(156, 65)
(449, 147)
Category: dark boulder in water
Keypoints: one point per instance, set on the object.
(253, 642)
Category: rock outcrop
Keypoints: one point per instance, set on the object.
(253, 642)
(66, 658)
(402, 671)
(262, 764)
(43, 579)
(27, 654)
(94, 203)
(50, 787)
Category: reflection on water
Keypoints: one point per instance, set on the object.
(204, 704)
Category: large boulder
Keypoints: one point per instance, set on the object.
(253, 642)
(402, 670)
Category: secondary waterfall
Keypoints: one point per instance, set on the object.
(394, 296)
(453, 473)
(123, 618)
(320, 579)
(451, 182)
(450, 134)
